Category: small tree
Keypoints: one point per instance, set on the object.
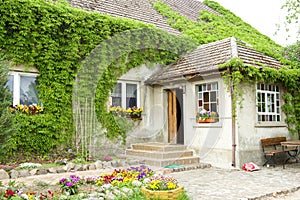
(6, 119)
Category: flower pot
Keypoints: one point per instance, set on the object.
(134, 117)
(211, 120)
(162, 194)
(201, 121)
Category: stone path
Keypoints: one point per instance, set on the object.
(215, 183)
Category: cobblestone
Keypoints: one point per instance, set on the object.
(214, 183)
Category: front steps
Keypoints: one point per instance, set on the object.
(161, 155)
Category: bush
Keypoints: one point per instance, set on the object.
(6, 119)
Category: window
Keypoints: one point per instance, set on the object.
(208, 97)
(268, 102)
(125, 94)
(23, 88)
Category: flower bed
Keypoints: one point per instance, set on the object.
(121, 182)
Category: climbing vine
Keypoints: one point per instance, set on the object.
(56, 39)
(211, 27)
(287, 78)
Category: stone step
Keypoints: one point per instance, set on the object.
(180, 161)
(158, 147)
(158, 155)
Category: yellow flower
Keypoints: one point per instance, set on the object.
(171, 185)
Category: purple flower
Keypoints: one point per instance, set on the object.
(62, 180)
(69, 184)
(141, 175)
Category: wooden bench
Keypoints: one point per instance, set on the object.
(272, 147)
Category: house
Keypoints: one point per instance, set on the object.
(172, 95)
(197, 83)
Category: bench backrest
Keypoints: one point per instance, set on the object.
(272, 141)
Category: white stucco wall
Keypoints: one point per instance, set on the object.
(151, 126)
(249, 131)
(211, 141)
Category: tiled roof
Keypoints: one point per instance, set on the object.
(188, 8)
(251, 57)
(143, 10)
(206, 58)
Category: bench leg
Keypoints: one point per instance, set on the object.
(270, 160)
(293, 154)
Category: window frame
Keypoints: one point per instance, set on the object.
(17, 84)
(276, 93)
(124, 92)
(217, 102)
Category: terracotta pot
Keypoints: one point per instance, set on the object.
(201, 121)
(210, 120)
(163, 194)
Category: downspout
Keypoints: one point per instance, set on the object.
(233, 131)
(234, 54)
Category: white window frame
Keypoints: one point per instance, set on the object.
(123, 92)
(16, 84)
(199, 108)
(277, 107)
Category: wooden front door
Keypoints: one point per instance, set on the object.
(175, 116)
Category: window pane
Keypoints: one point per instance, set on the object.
(131, 95)
(200, 103)
(116, 101)
(117, 92)
(213, 96)
(28, 91)
(199, 88)
(213, 107)
(206, 106)
(116, 95)
(208, 87)
(278, 118)
(206, 97)
(10, 83)
(214, 86)
(199, 95)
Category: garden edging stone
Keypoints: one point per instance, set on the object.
(3, 174)
(69, 167)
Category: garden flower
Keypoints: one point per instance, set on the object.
(70, 185)
(159, 182)
(136, 183)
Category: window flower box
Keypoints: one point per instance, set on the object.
(208, 120)
(206, 116)
(130, 113)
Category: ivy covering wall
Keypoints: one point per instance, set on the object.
(212, 27)
(55, 38)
